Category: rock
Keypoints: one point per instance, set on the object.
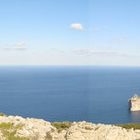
(88, 131)
(135, 103)
(38, 129)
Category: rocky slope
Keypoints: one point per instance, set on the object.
(18, 128)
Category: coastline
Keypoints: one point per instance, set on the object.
(19, 128)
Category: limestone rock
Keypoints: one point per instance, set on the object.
(135, 103)
(38, 129)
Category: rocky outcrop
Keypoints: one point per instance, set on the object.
(135, 103)
(88, 131)
(18, 128)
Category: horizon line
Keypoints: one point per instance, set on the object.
(85, 65)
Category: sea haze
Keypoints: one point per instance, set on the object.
(68, 93)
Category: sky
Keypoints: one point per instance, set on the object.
(70, 32)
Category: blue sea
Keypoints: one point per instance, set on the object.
(70, 93)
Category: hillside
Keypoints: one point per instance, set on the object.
(19, 128)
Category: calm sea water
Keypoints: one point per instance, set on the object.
(95, 94)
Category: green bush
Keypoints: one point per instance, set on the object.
(2, 114)
(61, 125)
(9, 130)
(130, 125)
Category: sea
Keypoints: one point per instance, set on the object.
(70, 93)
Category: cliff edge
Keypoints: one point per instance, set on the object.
(18, 128)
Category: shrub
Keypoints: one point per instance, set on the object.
(9, 131)
(130, 125)
(61, 125)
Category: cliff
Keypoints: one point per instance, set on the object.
(18, 128)
(135, 103)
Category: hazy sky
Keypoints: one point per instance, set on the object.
(70, 32)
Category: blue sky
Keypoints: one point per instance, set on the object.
(70, 32)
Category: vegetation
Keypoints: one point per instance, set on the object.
(130, 125)
(65, 125)
(9, 130)
(61, 125)
(2, 114)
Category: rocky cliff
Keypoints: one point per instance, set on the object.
(18, 128)
(135, 103)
